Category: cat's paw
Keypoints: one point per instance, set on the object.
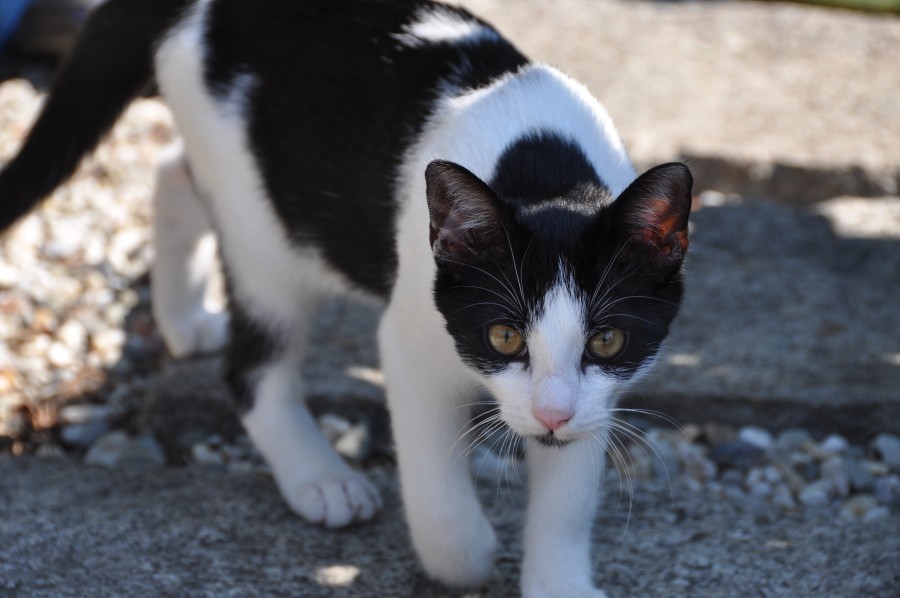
(201, 332)
(459, 554)
(337, 501)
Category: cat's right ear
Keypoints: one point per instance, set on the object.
(464, 212)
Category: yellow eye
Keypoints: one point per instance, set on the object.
(506, 340)
(607, 343)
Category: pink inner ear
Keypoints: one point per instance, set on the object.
(658, 226)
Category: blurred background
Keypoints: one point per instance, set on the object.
(782, 371)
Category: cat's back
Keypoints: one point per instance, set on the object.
(327, 96)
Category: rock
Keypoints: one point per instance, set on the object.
(204, 455)
(835, 472)
(59, 355)
(73, 334)
(805, 466)
(738, 454)
(857, 507)
(793, 439)
(718, 433)
(734, 492)
(861, 480)
(816, 494)
(83, 413)
(333, 426)
(772, 474)
(833, 445)
(876, 468)
(117, 449)
(696, 465)
(888, 446)
(756, 436)
(783, 497)
(761, 489)
(887, 490)
(355, 444)
(83, 435)
(108, 344)
(876, 514)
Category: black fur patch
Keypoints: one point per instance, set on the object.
(339, 99)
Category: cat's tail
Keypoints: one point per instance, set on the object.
(110, 64)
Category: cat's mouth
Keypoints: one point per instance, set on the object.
(551, 440)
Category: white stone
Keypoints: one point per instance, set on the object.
(783, 497)
(835, 472)
(756, 436)
(816, 494)
(60, 355)
(833, 445)
(203, 455)
(73, 334)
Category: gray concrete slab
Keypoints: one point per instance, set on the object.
(779, 99)
(73, 530)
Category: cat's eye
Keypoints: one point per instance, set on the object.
(506, 340)
(606, 344)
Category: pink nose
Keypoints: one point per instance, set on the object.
(553, 418)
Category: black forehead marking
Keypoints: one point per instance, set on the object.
(543, 166)
(550, 185)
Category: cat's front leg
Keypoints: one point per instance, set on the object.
(451, 535)
(264, 373)
(564, 485)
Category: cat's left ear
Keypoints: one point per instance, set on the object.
(464, 212)
(653, 211)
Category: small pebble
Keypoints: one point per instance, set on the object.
(835, 472)
(783, 497)
(816, 494)
(204, 455)
(793, 439)
(887, 490)
(333, 426)
(83, 435)
(833, 445)
(888, 447)
(857, 507)
(738, 455)
(758, 437)
(116, 448)
(861, 480)
(718, 433)
(355, 444)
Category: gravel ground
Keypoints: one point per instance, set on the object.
(86, 531)
(85, 377)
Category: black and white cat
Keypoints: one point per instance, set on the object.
(402, 150)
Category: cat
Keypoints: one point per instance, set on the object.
(402, 150)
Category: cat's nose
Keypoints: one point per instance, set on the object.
(552, 418)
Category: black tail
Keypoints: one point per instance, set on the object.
(111, 63)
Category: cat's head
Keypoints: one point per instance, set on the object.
(560, 298)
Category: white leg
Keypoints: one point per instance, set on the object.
(564, 492)
(187, 282)
(451, 535)
(314, 480)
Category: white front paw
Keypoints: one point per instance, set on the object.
(457, 553)
(336, 501)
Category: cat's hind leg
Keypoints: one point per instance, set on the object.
(187, 288)
(264, 373)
